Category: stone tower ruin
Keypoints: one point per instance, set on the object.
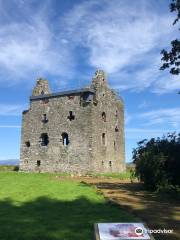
(77, 131)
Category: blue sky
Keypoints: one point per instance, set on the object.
(66, 41)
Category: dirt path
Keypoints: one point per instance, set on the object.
(157, 212)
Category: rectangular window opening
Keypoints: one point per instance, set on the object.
(65, 139)
(44, 118)
(44, 139)
(38, 163)
(28, 144)
(114, 145)
(103, 138)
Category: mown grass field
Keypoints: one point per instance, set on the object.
(43, 207)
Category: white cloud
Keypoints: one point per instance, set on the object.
(30, 48)
(123, 38)
(143, 133)
(169, 116)
(11, 110)
(167, 84)
(144, 104)
(10, 126)
(128, 117)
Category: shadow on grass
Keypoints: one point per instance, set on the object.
(157, 210)
(48, 219)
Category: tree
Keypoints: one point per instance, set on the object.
(157, 161)
(171, 59)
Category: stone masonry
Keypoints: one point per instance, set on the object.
(78, 131)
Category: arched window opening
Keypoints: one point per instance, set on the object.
(103, 138)
(65, 139)
(110, 163)
(104, 116)
(27, 144)
(42, 92)
(116, 129)
(44, 139)
(116, 114)
(71, 116)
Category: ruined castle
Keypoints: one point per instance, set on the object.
(76, 131)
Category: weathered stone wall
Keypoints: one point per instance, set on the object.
(108, 153)
(86, 151)
(55, 156)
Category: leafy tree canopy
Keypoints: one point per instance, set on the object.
(171, 59)
(157, 161)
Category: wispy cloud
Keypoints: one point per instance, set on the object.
(29, 47)
(144, 104)
(167, 84)
(11, 110)
(168, 116)
(144, 133)
(10, 126)
(128, 117)
(123, 38)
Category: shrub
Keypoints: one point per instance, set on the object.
(158, 162)
(5, 168)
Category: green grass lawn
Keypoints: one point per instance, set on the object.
(42, 207)
(121, 176)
